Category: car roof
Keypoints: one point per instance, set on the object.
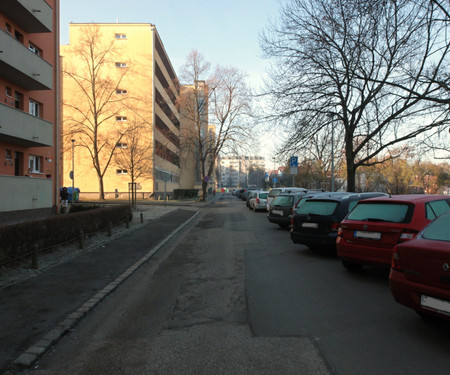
(342, 195)
(409, 198)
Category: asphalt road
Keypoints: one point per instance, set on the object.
(233, 295)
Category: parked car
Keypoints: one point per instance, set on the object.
(369, 233)
(316, 222)
(280, 210)
(420, 270)
(258, 201)
(247, 195)
(277, 191)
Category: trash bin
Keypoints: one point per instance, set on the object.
(75, 193)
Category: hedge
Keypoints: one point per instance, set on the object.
(18, 240)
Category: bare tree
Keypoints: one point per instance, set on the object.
(93, 111)
(135, 154)
(214, 110)
(369, 64)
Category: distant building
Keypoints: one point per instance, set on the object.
(146, 92)
(234, 170)
(29, 44)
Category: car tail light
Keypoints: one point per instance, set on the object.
(334, 227)
(340, 232)
(407, 235)
(257, 200)
(395, 262)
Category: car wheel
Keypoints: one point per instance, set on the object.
(351, 266)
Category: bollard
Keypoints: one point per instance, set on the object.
(142, 217)
(34, 261)
(81, 239)
(109, 229)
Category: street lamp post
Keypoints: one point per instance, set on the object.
(73, 170)
(331, 115)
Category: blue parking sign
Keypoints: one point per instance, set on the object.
(294, 161)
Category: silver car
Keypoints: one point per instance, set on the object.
(258, 201)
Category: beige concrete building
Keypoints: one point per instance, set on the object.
(136, 123)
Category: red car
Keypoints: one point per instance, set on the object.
(371, 230)
(420, 270)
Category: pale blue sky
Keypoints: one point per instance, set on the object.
(224, 32)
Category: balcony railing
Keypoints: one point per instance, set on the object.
(23, 67)
(34, 16)
(20, 128)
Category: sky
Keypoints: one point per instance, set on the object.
(226, 33)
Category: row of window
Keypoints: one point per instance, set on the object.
(19, 37)
(16, 98)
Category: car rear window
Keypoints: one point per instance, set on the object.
(283, 201)
(316, 207)
(263, 195)
(438, 230)
(384, 212)
(436, 208)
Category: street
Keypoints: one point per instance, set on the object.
(233, 295)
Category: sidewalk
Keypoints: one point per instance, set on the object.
(36, 310)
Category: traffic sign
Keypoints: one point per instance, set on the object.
(294, 161)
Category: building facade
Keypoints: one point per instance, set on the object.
(235, 171)
(135, 122)
(29, 56)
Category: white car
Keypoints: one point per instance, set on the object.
(258, 201)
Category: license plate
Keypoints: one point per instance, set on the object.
(435, 303)
(277, 212)
(310, 225)
(369, 235)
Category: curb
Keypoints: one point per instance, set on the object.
(36, 351)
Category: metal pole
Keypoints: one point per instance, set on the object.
(73, 170)
(332, 155)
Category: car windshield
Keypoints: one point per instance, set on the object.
(317, 207)
(274, 193)
(438, 230)
(381, 212)
(283, 201)
(263, 195)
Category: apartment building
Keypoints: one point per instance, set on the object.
(136, 127)
(234, 170)
(29, 54)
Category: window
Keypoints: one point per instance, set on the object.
(34, 108)
(8, 28)
(121, 65)
(33, 48)
(121, 92)
(121, 171)
(18, 36)
(121, 118)
(8, 92)
(121, 145)
(35, 164)
(121, 36)
(436, 208)
(8, 156)
(18, 100)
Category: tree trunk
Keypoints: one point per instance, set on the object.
(101, 192)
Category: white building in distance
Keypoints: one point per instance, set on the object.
(239, 171)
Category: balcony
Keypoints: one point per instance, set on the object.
(22, 67)
(34, 16)
(25, 193)
(20, 128)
